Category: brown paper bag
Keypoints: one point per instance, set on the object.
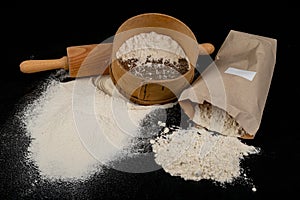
(230, 94)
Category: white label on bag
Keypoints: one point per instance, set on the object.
(249, 75)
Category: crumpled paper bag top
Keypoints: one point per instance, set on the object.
(238, 80)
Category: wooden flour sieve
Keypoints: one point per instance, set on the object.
(148, 92)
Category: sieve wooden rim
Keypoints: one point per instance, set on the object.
(124, 26)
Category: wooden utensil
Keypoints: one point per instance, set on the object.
(86, 60)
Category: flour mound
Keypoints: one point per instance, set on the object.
(196, 154)
(55, 146)
(58, 148)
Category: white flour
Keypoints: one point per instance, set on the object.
(216, 119)
(196, 154)
(158, 45)
(57, 148)
(153, 56)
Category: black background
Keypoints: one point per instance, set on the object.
(44, 30)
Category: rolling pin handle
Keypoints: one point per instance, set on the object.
(32, 66)
(206, 48)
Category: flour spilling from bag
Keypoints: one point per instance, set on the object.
(236, 84)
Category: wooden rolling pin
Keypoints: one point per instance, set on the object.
(75, 62)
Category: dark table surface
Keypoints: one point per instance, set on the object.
(46, 30)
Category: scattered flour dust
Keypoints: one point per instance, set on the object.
(56, 147)
(196, 154)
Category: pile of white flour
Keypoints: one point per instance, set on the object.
(58, 148)
(196, 154)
